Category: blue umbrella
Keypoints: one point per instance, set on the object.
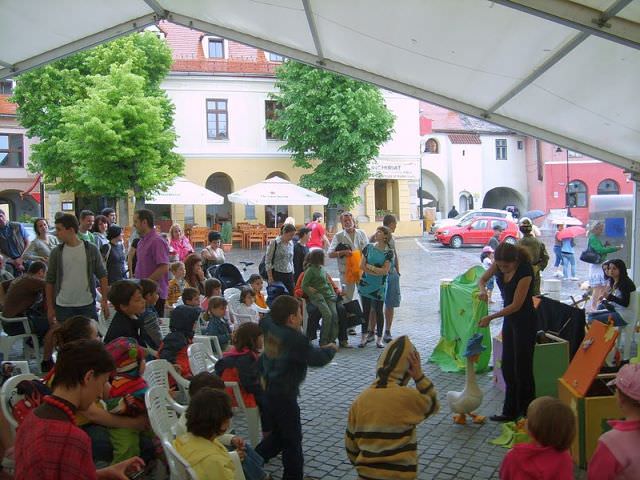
(533, 214)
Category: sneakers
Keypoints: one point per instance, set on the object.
(379, 343)
(387, 337)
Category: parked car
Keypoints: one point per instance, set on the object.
(477, 231)
(463, 217)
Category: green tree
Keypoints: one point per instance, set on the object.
(103, 123)
(338, 121)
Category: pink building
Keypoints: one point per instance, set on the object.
(549, 168)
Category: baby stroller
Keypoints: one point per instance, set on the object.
(229, 276)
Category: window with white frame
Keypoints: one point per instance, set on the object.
(577, 194)
(217, 119)
(573, 154)
(6, 87)
(215, 48)
(11, 151)
(501, 148)
(274, 57)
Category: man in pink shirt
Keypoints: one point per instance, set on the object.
(318, 238)
(616, 456)
(152, 256)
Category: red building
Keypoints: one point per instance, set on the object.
(584, 175)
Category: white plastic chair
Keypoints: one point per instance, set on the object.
(236, 318)
(206, 340)
(8, 390)
(105, 323)
(7, 341)
(163, 322)
(157, 372)
(178, 466)
(199, 359)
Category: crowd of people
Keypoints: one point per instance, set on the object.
(93, 423)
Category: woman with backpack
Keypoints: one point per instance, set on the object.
(113, 254)
(278, 260)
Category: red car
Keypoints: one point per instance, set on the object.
(477, 231)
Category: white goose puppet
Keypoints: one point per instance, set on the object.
(465, 402)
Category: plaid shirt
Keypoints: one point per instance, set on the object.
(52, 449)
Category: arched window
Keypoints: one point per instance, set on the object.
(608, 187)
(577, 194)
(431, 146)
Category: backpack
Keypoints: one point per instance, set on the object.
(28, 395)
(262, 267)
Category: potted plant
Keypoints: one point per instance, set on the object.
(225, 233)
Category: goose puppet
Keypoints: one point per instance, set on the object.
(465, 402)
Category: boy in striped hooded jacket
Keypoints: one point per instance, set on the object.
(374, 427)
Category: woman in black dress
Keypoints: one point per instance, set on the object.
(514, 276)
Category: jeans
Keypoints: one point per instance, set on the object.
(286, 436)
(38, 322)
(252, 464)
(568, 260)
(62, 313)
(557, 251)
(603, 316)
(286, 279)
(367, 305)
(327, 308)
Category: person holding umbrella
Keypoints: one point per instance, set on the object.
(566, 237)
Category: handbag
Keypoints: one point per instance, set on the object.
(591, 256)
(262, 267)
(355, 316)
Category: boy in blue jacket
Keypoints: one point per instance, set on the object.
(283, 368)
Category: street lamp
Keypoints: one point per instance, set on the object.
(566, 186)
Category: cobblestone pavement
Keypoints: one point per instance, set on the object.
(446, 450)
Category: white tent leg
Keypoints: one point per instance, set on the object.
(635, 248)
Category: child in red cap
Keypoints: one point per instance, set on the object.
(616, 456)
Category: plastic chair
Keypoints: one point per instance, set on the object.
(236, 318)
(178, 466)
(8, 390)
(199, 359)
(7, 341)
(206, 340)
(163, 323)
(105, 323)
(157, 372)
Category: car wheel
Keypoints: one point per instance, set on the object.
(456, 242)
(510, 240)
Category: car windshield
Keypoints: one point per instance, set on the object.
(466, 221)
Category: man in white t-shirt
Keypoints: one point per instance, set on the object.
(343, 243)
(73, 267)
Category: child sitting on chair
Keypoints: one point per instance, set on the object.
(212, 288)
(251, 462)
(256, 283)
(617, 453)
(240, 364)
(126, 394)
(177, 283)
(244, 310)
(321, 294)
(217, 325)
(126, 298)
(150, 327)
(552, 426)
(182, 325)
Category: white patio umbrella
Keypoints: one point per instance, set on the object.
(566, 221)
(184, 192)
(276, 191)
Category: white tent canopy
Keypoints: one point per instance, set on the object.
(184, 192)
(563, 71)
(276, 191)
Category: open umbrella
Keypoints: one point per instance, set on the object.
(276, 191)
(566, 221)
(571, 232)
(533, 214)
(184, 192)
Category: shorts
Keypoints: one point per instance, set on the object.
(392, 297)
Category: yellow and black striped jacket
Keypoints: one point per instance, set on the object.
(381, 431)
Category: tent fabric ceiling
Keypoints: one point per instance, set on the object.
(562, 71)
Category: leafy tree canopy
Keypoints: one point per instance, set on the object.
(338, 121)
(103, 123)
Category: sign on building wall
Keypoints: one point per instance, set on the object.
(395, 169)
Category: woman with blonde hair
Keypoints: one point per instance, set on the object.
(179, 242)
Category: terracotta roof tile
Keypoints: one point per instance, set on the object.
(464, 138)
(6, 107)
